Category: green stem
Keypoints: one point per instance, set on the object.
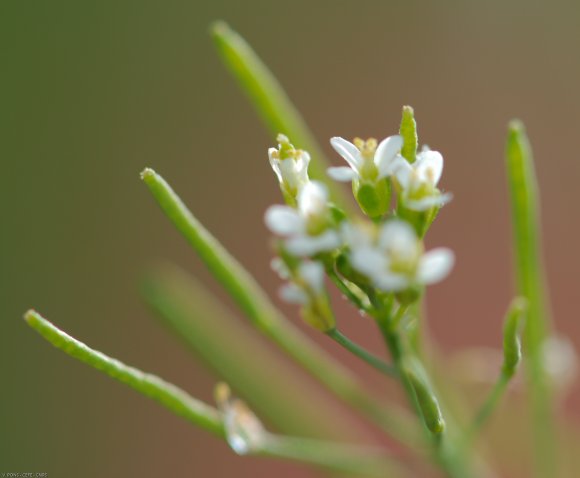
(362, 353)
(530, 284)
(345, 290)
(332, 456)
(258, 308)
(396, 321)
(272, 103)
(445, 454)
(487, 408)
(168, 395)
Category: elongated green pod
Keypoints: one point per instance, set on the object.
(168, 395)
(426, 398)
(512, 347)
(272, 103)
(530, 280)
(408, 130)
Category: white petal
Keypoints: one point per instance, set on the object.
(305, 246)
(355, 236)
(275, 163)
(386, 153)
(279, 267)
(313, 199)
(429, 166)
(369, 261)
(293, 294)
(391, 282)
(342, 173)
(403, 171)
(399, 239)
(429, 201)
(313, 275)
(435, 265)
(348, 151)
(283, 220)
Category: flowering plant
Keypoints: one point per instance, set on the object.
(375, 255)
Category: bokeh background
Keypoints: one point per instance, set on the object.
(92, 92)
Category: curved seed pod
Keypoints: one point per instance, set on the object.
(512, 347)
(426, 399)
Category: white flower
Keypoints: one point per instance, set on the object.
(244, 431)
(393, 258)
(309, 282)
(419, 180)
(366, 160)
(306, 228)
(290, 166)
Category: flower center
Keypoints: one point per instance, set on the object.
(286, 149)
(367, 148)
(368, 169)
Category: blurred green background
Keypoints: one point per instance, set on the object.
(92, 92)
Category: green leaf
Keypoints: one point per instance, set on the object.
(272, 103)
(530, 285)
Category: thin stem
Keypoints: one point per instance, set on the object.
(396, 321)
(487, 408)
(258, 308)
(344, 289)
(446, 457)
(531, 285)
(335, 457)
(362, 353)
(168, 395)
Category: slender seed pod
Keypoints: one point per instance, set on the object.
(512, 347)
(426, 399)
(408, 130)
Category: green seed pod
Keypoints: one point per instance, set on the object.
(408, 131)
(426, 399)
(373, 198)
(512, 348)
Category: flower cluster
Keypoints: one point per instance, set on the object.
(383, 254)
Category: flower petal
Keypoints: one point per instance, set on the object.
(283, 220)
(369, 261)
(435, 265)
(386, 153)
(403, 171)
(313, 275)
(348, 151)
(342, 173)
(390, 282)
(313, 198)
(399, 239)
(429, 166)
(428, 202)
(306, 246)
(293, 294)
(275, 163)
